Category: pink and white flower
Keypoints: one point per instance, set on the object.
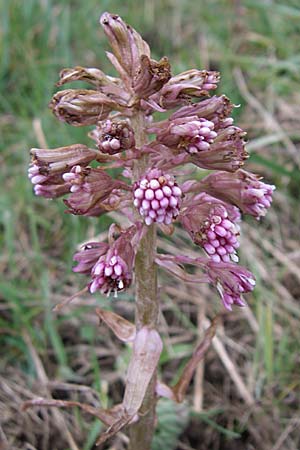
(157, 197)
(110, 266)
(210, 226)
(244, 189)
(114, 136)
(232, 281)
(89, 188)
(113, 271)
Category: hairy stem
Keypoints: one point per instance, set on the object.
(147, 307)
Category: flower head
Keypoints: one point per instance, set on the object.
(184, 86)
(109, 265)
(127, 45)
(211, 226)
(231, 281)
(88, 256)
(157, 197)
(151, 76)
(113, 271)
(81, 107)
(191, 134)
(244, 189)
(114, 136)
(58, 160)
(204, 135)
(89, 188)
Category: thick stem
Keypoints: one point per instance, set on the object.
(147, 306)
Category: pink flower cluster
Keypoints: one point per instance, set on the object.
(113, 271)
(220, 238)
(157, 197)
(109, 265)
(114, 136)
(193, 134)
(153, 188)
(231, 281)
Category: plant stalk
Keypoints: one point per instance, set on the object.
(147, 306)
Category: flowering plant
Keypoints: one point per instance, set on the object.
(152, 191)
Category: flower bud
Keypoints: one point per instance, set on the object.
(151, 76)
(227, 152)
(127, 45)
(110, 86)
(89, 74)
(215, 109)
(157, 197)
(57, 161)
(47, 186)
(89, 187)
(114, 136)
(88, 256)
(211, 226)
(191, 134)
(113, 271)
(81, 107)
(182, 87)
(232, 281)
(243, 189)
